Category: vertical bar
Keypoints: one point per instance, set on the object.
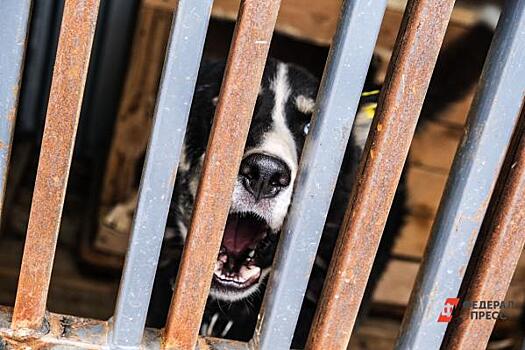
(498, 259)
(69, 76)
(233, 114)
(321, 160)
(13, 37)
(410, 70)
(480, 156)
(158, 179)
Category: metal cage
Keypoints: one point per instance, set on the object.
(492, 122)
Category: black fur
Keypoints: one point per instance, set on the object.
(456, 71)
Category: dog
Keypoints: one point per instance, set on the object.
(264, 186)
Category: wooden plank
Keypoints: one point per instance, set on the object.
(424, 190)
(413, 237)
(456, 113)
(375, 333)
(315, 21)
(134, 118)
(396, 284)
(133, 125)
(435, 147)
(166, 5)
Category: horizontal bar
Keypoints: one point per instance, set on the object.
(67, 87)
(13, 38)
(502, 248)
(158, 178)
(233, 114)
(489, 128)
(70, 332)
(320, 163)
(415, 54)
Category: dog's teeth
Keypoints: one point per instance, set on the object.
(251, 254)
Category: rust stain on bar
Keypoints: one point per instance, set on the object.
(69, 76)
(499, 256)
(70, 332)
(408, 77)
(239, 91)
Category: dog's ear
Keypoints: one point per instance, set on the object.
(304, 104)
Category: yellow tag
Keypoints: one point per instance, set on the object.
(370, 110)
(370, 93)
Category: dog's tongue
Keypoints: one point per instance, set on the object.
(241, 233)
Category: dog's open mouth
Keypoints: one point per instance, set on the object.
(243, 251)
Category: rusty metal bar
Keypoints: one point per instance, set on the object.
(158, 179)
(490, 124)
(321, 160)
(13, 36)
(71, 65)
(410, 70)
(70, 332)
(239, 91)
(499, 256)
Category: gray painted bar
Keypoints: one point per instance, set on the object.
(171, 115)
(491, 121)
(321, 160)
(13, 37)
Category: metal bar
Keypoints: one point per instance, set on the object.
(480, 156)
(408, 77)
(239, 91)
(13, 37)
(498, 259)
(158, 179)
(70, 332)
(321, 160)
(69, 76)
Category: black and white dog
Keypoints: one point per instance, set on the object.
(265, 184)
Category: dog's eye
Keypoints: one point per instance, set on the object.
(306, 128)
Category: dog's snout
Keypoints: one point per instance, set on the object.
(264, 176)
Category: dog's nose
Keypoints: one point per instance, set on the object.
(264, 176)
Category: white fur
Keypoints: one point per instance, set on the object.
(194, 182)
(170, 233)
(272, 210)
(304, 104)
(213, 320)
(227, 328)
(361, 128)
(120, 217)
(183, 230)
(184, 164)
(278, 142)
